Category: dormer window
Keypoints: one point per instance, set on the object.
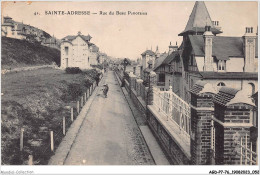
(222, 65)
(221, 84)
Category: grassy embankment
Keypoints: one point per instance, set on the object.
(35, 100)
(21, 53)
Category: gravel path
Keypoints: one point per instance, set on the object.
(109, 134)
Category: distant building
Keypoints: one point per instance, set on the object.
(78, 51)
(52, 42)
(147, 56)
(19, 30)
(12, 29)
(163, 68)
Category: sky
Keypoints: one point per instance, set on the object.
(130, 35)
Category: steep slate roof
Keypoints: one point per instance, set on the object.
(225, 95)
(169, 58)
(198, 19)
(72, 37)
(174, 55)
(94, 47)
(148, 52)
(159, 60)
(222, 47)
(197, 87)
(230, 75)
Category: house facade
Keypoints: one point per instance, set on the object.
(148, 57)
(203, 55)
(164, 69)
(219, 60)
(78, 51)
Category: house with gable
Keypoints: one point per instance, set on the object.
(165, 69)
(219, 60)
(78, 51)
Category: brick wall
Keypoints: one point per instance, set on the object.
(166, 141)
(236, 124)
(201, 116)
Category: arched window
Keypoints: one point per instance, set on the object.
(252, 89)
(221, 84)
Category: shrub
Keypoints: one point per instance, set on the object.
(74, 91)
(73, 70)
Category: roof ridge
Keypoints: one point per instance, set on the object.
(196, 8)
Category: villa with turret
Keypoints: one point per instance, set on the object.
(204, 55)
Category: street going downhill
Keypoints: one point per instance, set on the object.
(109, 134)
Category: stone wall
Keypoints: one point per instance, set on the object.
(172, 149)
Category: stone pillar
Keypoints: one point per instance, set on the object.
(232, 121)
(138, 86)
(152, 83)
(202, 109)
(132, 79)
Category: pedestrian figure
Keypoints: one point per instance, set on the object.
(105, 90)
(97, 78)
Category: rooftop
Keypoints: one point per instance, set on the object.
(222, 47)
(228, 96)
(199, 18)
(72, 37)
(148, 52)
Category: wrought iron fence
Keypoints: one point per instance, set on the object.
(175, 109)
(247, 155)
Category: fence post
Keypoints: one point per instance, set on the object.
(71, 114)
(251, 154)
(30, 161)
(152, 83)
(241, 151)
(257, 151)
(246, 150)
(64, 127)
(21, 139)
(82, 104)
(85, 97)
(78, 107)
(52, 143)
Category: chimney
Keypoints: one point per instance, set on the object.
(172, 48)
(216, 25)
(249, 41)
(208, 60)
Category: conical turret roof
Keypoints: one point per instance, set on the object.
(198, 19)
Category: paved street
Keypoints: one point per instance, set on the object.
(109, 134)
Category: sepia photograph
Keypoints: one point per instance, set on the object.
(144, 84)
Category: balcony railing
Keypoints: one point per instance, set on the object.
(175, 109)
